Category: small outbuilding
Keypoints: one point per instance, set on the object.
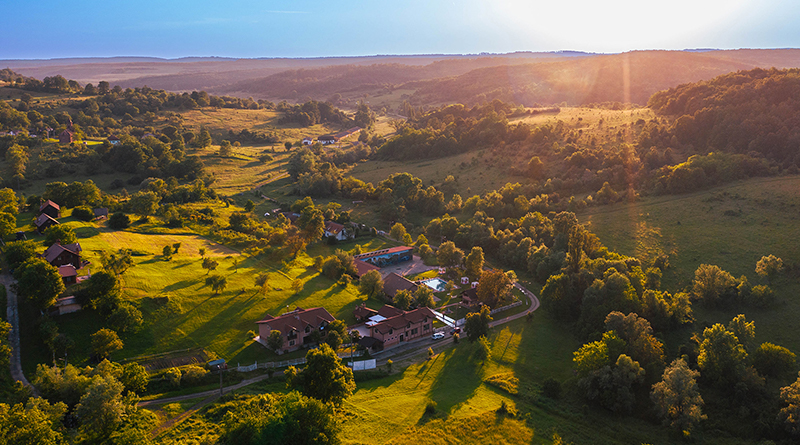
(50, 209)
(43, 222)
(66, 305)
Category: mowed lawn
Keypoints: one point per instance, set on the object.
(195, 317)
(731, 226)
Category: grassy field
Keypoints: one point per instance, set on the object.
(731, 226)
(195, 316)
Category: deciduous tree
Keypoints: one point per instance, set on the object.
(104, 342)
(676, 398)
(449, 255)
(768, 267)
(325, 377)
(474, 263)
(39, 283)
(403, 300)
(371, 284)
(423, 296)
(494, 288)
(477, 324)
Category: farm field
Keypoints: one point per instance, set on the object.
(730, 226)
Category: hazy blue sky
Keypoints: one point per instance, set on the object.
(307, 28)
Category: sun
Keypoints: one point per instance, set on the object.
(617, 25)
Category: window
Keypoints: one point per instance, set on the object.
(390, 331)
(291, 342)
(414, 331)
(425, 327)
(308, 329)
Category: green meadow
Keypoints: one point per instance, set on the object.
(730, 226)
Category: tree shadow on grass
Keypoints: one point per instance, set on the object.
(86, 232)
(179, 285)
(458, 380)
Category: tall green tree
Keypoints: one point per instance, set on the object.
(39, 283)
(790, 412)
(36, 422)
(325, 377)
(403, 300)
(371, 284)
(102, 409)
(449, 255)
(104, 342)
(423, 296)
(494, 287)
(768, 267)
(474, 263)
(676, 398)
(721, 357)
(477, 324)
(59, 233)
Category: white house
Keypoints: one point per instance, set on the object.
(336, 230)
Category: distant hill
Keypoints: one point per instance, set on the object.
(522, 77)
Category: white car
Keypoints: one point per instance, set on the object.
(438, 336)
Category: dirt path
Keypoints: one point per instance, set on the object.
(13, 336)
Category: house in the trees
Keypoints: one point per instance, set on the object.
(50, 209)
(59, 255)
(43, 222)
(308, 140)
(469, 297)
(66, 305)
(392, 326)
(113, 140)
(101, 213)
(291, 216)
(327, 139)
(337, 231)
(346, 133)
(66, 137)
(387, 257)
(298, 328)
(68, 273)
(394, 283)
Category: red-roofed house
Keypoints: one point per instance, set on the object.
(50, 209)
(59, 255)
(362, 312)
(336, 230)
(403, 326)
(43, 222)
(362, 268)
(394, 283)
(68, 273)
(296, 327)
(66, 137)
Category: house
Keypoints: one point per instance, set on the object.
(68, 273)
(66, 305)
(363, 313)
(21, 236)
(337, 231)
(297, 327)
(363, 267)
(51, 209)
(387, 257)
(399, 326)
(394, 283)
(43, 222)
(66, 137)
(349, 132)
(327, 139)
(308, 140)
(469, 297)
(59, 255)
(113, 140)
(101, 213)
(291, 216)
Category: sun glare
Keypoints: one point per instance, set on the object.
(618, 25)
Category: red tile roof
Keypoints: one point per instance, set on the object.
(363, 267)
(333, 228)
(388, 251)
(362, 311)
(394, 283)
(67, 270)
(404, 319)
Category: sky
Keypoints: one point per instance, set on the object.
(37, 29)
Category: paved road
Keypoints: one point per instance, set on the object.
(13, 336)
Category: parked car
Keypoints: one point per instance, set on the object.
(438, 336)
(455, 331)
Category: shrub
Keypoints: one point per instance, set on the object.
(83, 213)
(173, 376)
(551, 388)
(119, 221)
(193, 374)
(430, 407)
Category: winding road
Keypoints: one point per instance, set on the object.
(12, 312)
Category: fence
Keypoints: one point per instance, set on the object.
(363, 365)
(500, 309)
(287, 363)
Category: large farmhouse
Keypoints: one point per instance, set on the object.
(391, 326)
(59, 255)
(297, 327)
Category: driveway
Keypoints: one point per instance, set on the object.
(13, 336)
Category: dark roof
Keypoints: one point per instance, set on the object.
(362, 311)
(327, 137)
(298, 319)
(56, 249)
(388, 251)
(389, 311)
(50, 204)
(43, 218)
(67, 270)
(362, 267)
(102, 211)
(64, 301)
(369, 342)
(471, 293)
(291, 216)
(394, 283)
(113, 138)
(401, 321)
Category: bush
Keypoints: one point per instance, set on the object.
(551, 388)
(173, 376)
(430, 407)
(119, 221)
(83, 213)
(193, 374)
